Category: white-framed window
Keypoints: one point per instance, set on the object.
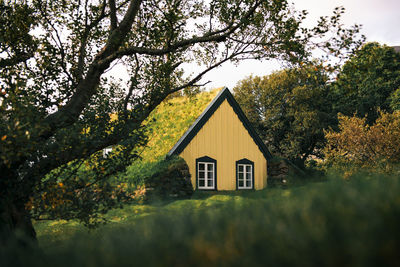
(206, 175)
(107, 151)
(245, 175)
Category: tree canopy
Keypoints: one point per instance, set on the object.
(290, 109)
(368, 81)
(58, 107)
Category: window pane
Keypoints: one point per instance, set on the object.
(210, 183)
(248, 183)
(210, 167)
(248, 176)
(240, 183)
(201, 166)
(210, 175)
(240, 176)
(201, 183)
(248, 168)
(201, 175)
(240, 168)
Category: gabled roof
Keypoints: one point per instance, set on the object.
(206, 115)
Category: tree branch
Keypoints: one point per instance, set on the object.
(22, 57)
(87, 87)
(133, 84)
(216, 36)
(94, 23)
(198, 77)
(113, 15)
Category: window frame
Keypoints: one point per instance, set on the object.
(206, 160)
(107, 151)
(245, 162)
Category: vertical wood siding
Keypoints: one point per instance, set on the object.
(224, 138)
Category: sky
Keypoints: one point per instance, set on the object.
(380, 21)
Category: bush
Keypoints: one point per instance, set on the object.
(358, 146)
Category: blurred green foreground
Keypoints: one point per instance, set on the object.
(332, 223)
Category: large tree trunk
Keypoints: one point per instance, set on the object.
(16, 224)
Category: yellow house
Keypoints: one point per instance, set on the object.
(222, 149)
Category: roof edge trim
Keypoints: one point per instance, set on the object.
(188, 136)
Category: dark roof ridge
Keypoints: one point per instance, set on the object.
(205, 116)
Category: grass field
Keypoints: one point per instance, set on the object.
(53, 233)
(332, 223)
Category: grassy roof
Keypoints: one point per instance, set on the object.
(170, 120)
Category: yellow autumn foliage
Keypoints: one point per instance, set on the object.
(358, 145)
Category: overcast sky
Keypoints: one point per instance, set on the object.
(380, 20)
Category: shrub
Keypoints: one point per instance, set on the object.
(360, 146)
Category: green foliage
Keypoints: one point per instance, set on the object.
(139, 172)
(16, 20)
(136, 173)
(290, 109)
(367, 82)
(357, 145)
(336, 223)
(395, 100)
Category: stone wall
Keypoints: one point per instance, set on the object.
(282, 171)
(278, 172)
(172, 181)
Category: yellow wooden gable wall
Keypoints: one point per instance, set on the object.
(224, 138)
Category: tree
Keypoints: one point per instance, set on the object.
(58, 107)
(395, 100)
(359, 146)
(290, 110)
(368, 81)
